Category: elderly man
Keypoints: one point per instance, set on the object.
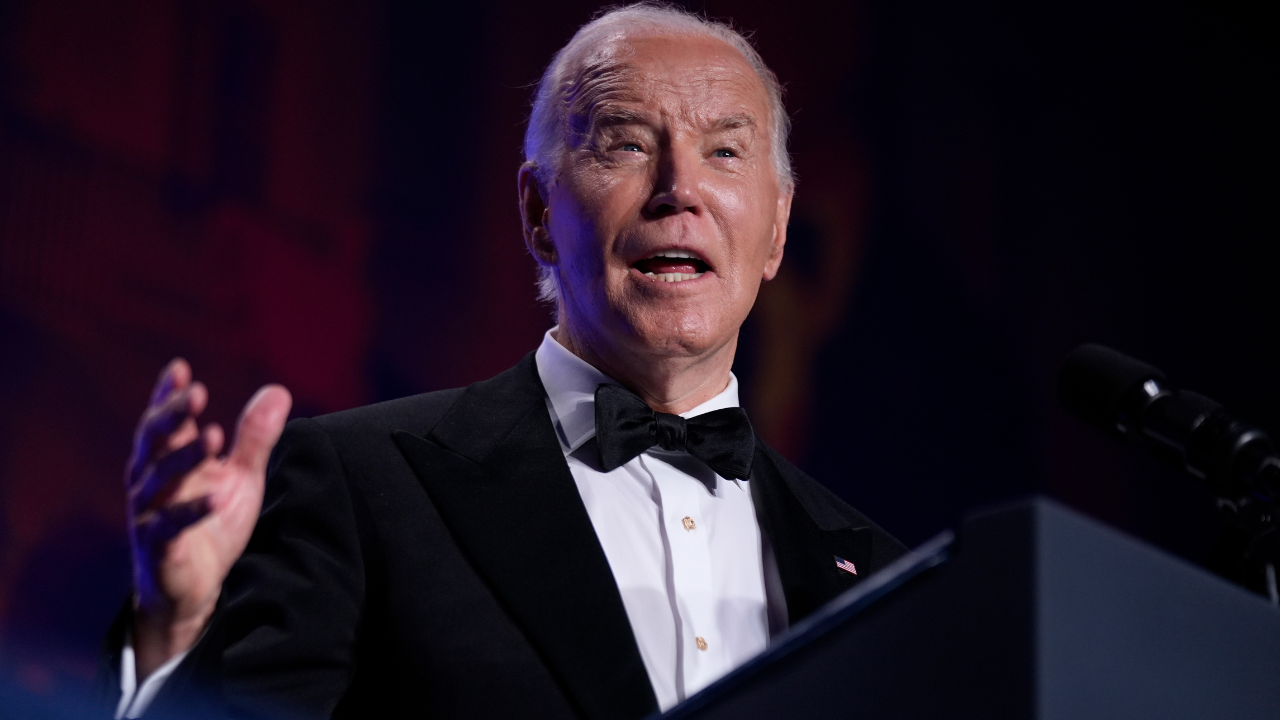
(594, 533)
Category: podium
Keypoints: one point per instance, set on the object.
(1033, 611)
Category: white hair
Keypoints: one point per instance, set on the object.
(546, 139)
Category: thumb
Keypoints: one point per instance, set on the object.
(260, 425)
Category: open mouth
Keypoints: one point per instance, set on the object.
(672, 266)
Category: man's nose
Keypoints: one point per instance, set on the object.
(676, 189)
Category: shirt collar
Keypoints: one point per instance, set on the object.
(571, 384)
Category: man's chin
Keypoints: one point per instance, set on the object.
(679, 334)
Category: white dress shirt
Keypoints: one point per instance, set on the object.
(697, 579)
(135, 698)
(683, 542)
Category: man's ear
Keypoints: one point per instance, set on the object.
(779, 241)
(534, 214)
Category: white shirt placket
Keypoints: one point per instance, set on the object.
(685, 521)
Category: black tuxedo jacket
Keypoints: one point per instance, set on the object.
(431, 557)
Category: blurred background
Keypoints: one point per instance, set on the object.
(323, 194)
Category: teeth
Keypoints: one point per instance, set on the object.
(673, 254)
(673, 277)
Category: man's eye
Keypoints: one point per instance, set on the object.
(724, 153)
(630, 147)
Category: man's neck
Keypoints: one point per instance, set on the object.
(667, 384)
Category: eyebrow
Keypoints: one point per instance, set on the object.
(733, 122)
(613, 116)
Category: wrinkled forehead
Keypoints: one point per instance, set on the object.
(696, 77)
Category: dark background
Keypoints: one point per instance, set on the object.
(323, 194)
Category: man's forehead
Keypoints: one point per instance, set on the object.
(634, 79)
(693, 60)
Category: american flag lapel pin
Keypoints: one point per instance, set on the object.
(845, 565)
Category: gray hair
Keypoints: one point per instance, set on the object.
(545, 140)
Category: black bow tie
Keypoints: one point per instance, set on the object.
(626, 427)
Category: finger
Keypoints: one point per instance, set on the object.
(214, 438)
(186, 432)
(164, 477)
(260, 426)
(165, 524)
(175, 375)
(166, 417)
(186, 402)
(161, 422)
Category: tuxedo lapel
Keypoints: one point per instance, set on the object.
(495, 471)
(806, 548)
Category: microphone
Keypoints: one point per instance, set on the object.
(1132, 399)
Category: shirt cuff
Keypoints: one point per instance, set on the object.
(135, 700)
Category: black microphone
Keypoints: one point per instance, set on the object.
(1129, 398)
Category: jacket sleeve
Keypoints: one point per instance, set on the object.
(282, 641)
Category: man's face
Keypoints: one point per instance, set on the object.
(667, 213)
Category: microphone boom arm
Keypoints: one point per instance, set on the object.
(1236, 461)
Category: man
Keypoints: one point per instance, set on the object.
(556, 541)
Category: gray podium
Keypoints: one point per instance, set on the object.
(1033, 611)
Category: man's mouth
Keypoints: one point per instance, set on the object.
(672, 266)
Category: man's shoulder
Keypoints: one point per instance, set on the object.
(417, 414)
(421, 414)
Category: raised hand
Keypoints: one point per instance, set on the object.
(191, 511)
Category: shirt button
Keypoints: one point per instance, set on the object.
(702, 643)
(689, 524)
